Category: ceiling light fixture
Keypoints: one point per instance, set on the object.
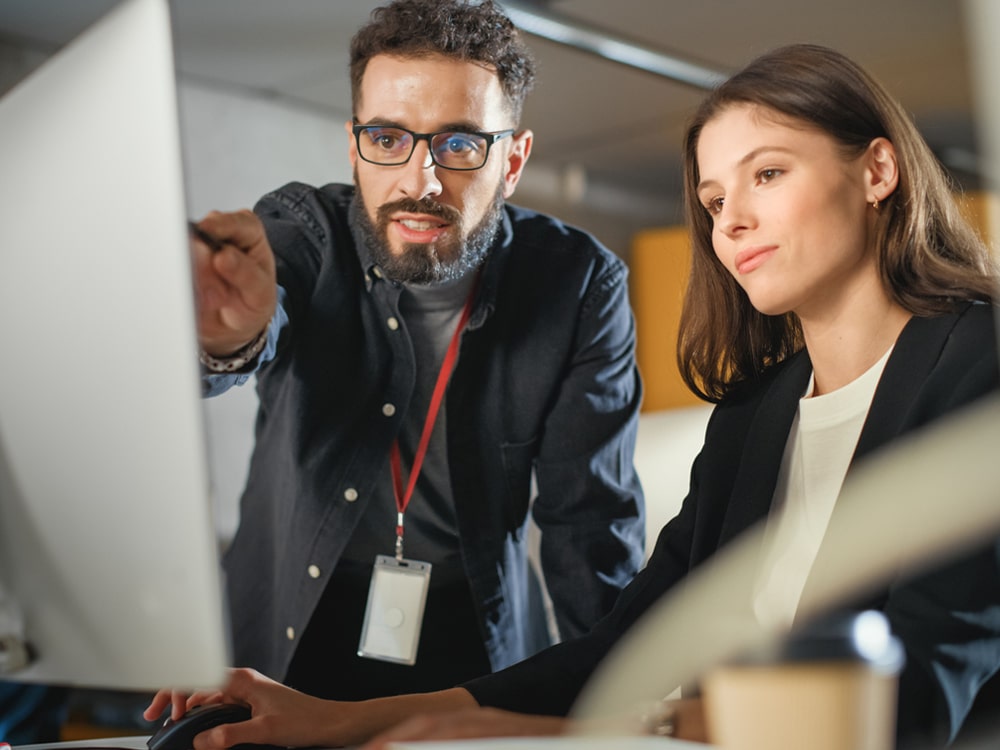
(598, 42)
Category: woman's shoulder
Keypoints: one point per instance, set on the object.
(794, 368)
(948, 360)
(980, 315)
(969, 331)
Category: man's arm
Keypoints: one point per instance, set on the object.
(590, 507)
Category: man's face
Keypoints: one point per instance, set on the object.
(424, 222)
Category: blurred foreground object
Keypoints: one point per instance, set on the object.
(832, 687)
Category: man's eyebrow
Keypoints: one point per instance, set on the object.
(380, 122)
(464, 127)
(461, 127)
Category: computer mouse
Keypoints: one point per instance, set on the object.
(179, 734)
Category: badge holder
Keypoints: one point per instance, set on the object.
(395, 610)
(398, 591)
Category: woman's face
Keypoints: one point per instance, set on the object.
(789, 212)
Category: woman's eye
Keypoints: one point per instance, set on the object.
(714, 206)
(766, 175)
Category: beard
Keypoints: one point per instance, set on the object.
(427, 263)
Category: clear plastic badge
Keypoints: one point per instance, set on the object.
(395, 611)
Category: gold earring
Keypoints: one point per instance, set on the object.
(875, 204)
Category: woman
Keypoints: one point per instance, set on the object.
(837, 300)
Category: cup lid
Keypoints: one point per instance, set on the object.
(863, 637)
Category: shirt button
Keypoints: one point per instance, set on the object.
(377, 271)
(290, 633)
(388, 409)
(313, 571)
(350, 494)
(392, 323)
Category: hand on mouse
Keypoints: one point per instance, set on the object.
(179, 702)
(287, 718)
(279, 715)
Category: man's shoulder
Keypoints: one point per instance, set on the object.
(297, 211)
(297, 196)
(545, 237)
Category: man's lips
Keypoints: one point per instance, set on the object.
(419, 228)
(753, 257)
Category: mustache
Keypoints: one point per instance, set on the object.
(427, 206)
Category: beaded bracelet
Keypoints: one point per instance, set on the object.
(236, 361)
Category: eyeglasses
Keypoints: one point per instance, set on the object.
(450, 149)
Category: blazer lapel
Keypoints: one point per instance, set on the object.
(764, 446)
(913, 357)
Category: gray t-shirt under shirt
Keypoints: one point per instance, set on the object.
(430, 314)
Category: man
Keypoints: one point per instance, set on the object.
(416, 339)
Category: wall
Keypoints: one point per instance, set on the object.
(236, 148)
(659, 262)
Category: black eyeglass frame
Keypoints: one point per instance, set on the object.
(490, 138)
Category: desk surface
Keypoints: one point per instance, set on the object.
(499, 743)
(122, 743)
(557, 743)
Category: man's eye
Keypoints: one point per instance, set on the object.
(387, 140)
(459, 143)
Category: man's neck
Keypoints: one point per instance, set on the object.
(441, 294)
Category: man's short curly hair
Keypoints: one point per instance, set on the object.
(466, 30)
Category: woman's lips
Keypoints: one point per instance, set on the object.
(751, 258)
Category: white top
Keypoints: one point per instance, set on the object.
(820, 445)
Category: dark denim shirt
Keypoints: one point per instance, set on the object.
(545, 389)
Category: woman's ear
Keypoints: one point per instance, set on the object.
(881, 170)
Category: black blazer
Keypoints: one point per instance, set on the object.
(948, 620)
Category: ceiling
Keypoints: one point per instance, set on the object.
(609, 133)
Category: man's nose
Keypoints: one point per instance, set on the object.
(420, 174)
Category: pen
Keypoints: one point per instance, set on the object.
(198, 233)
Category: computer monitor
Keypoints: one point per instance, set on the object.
(108, 557)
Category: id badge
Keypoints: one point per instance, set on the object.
(395, 611)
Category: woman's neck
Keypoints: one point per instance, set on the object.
(844, 344)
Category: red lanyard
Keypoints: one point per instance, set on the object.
(403, 499)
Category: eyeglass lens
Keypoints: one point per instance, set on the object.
(389, 146)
